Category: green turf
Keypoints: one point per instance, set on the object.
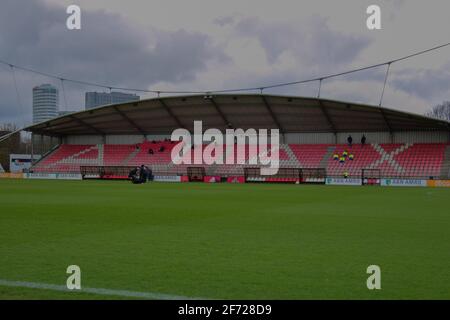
(225, 240)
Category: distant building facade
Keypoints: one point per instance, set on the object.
(63, 113)
(96, 99)
(45, 103)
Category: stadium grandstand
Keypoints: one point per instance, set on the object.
(313, 132)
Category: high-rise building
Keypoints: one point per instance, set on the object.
(96, 99)
(64, 113)
(45, 103)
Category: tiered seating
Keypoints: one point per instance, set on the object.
(387, 167)
(223, 169)
(158, 157)
(363, 157)
(394, 160)
(421, 159)
(115, 155)
(388, 170)
(62, 152)
(310, 155)
(67, 158)
(389, 148)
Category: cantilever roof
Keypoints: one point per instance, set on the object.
(289, 114)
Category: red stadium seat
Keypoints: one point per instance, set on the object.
(394, 160)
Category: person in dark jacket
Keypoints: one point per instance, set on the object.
(363, 140)
(350, 140)
(135, 175)
(143, 174)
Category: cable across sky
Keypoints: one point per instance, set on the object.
(258, 88)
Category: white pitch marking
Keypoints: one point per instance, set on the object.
(100, 291)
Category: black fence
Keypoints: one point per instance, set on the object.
(287, 175)
(251, 174)
(196, 173)
(105, 172)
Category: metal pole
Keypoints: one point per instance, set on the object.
(320, 88)
(384, 85)
(32, 148)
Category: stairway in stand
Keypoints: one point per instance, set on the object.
(445, 169)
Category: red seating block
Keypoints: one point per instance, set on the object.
(394, 160)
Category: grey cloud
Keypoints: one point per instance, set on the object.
(375, 75)
(314, 43)
(106, 50)
(256, 81)
(425, 84)
(338, 88)
(224, 21)
(13, 110)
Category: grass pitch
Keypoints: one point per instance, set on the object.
(225, 241)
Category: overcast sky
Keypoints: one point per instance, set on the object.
(211, 44)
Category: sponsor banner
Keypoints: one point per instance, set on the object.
(53, 176)
(68, 176)
(40, 176)
(256, 179)
(343, 181)
(91, 176)
(403, 183)
(211, 179)
(438, 183)
(313, 180)
(8, 175)
(372, 181)
(20, 162)
(184, 179)
(236, 179)
(167, 178)
(282, 180)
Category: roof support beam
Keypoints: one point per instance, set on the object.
(161, 101)
(387, 124)
(47, 133)
(272, 114)
(57, 128)
(87, 125)
(327, 116)
(219, 111)
(123, 115)
(386, 120)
